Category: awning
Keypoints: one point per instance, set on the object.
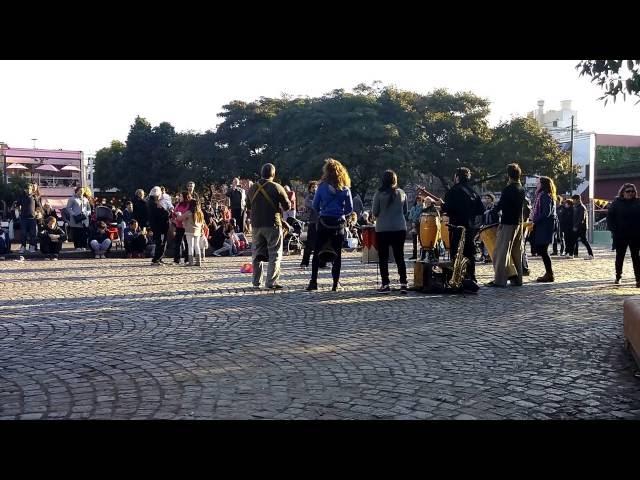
(70, 168)
(47, 168)
(16, 166)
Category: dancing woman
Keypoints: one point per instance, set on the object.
(332, 201)
(544, 219)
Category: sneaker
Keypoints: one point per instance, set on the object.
(156, 264)
(590, 257)
(384, 289)
(102, 255)
(403, 288)
(255, 287)
(2, 258)
(79, 249)
(311, 286)
(275, 286)
(494, 285)
(413, 257)
(19, 259)
(55, 258)
(22, 250)
(337, 287)
(97, 255)
(32, 249)
(617, 281)
(545, 278)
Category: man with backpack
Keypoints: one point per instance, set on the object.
(508, 249)
(465, 209)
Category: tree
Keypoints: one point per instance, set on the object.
(521, 140)
(108, 165)
(614, 76)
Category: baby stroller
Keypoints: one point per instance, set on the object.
(292, 242)
(105, 214)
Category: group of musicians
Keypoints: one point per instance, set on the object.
(332, 202)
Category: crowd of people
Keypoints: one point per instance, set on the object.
(335, 220)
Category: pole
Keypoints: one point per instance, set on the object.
(571, 171)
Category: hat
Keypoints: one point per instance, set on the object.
(155, 192)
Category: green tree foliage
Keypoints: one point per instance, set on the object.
(613, 160)
(615, 77)
(369, 129)
(523, 141)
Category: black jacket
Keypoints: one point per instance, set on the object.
(28, 204)
(44, 234)
(623, 219)
(459, 206)
(140, 212)
(579, 217)
(158, 218)
(511, 204)
(565, 218)
(100, 237)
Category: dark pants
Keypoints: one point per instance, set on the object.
(239, 215)
(621, 251)
(310, 244)
(581, 236)
(414, 238)
(558, 239)
(542, 250)
(79, 237)
(468, 251)
(395, 240)
(336, 236)
(161, 245)
(29, 231)
(47, 247)
(180, 241)
(568, 241)
(137, 245)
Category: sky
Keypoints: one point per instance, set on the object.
(84, 105)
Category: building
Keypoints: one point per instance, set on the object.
(56, 172)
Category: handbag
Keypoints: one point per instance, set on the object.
(81, 217)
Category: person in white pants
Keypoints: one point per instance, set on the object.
(193, 221)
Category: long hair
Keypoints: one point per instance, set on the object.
(196, 211)
(389, 184)
(335, 174)
(624, 187)
(547, 185)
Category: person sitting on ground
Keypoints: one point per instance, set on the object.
(217, 236)
(5, 243)
(51, 239)
(100, 242)
(135, 240)
(150, 251)
(230, 245)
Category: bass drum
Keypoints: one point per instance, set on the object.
(445, 233)
(488, 235)
(429, 230)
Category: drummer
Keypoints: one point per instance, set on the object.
(508, 247)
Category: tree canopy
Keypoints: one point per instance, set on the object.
(370, 129)
(615, 77)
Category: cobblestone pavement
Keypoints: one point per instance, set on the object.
(121, 339)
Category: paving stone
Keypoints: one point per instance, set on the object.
(229, 352)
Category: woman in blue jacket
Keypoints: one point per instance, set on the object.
(544, 219)
(333, 202)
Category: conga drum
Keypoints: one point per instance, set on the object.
(369, 244)
(429, 233)
(488, 236)
(445, 233)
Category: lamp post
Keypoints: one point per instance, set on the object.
(571, 170)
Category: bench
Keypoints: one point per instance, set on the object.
(632, 327)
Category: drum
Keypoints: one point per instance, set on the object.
(445, 233)
(370, 245)
(429, 233)
(488, 236)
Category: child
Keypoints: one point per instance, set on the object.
(151, 244)
(5, 243)
(100, 241)
(193, 221)
(51, 238)
(135, 241)
(230, 245)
